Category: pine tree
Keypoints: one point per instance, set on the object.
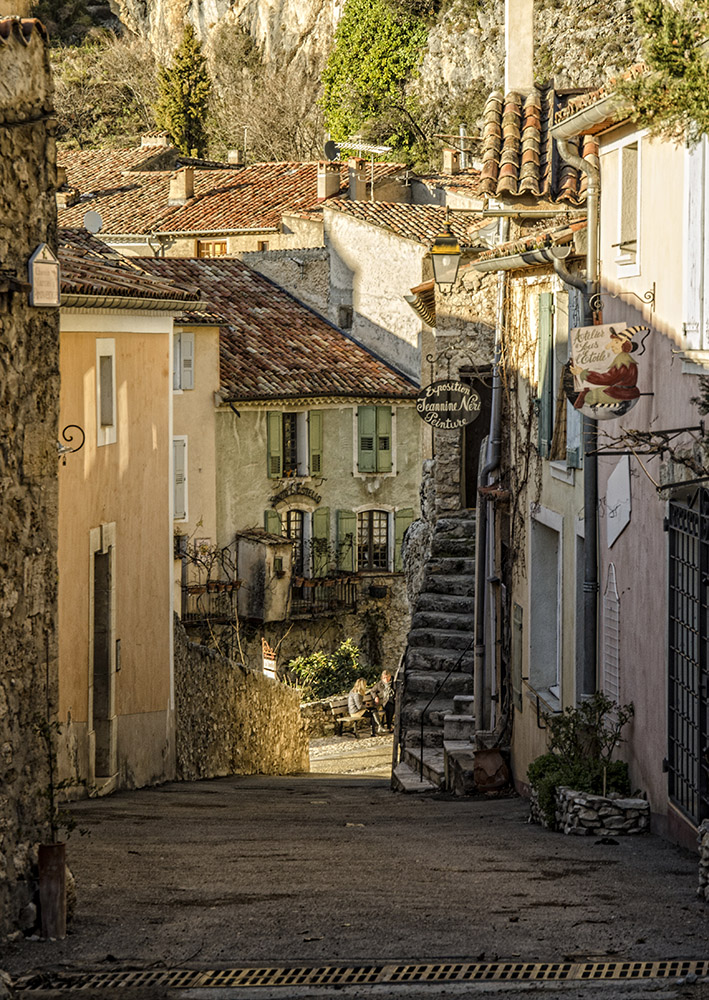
(671, 99)
(184, 91)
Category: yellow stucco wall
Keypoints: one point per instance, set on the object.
(126, 484)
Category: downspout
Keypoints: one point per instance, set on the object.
(587, 682)
(492, 461)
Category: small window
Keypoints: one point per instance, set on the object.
(179, 468)
(106, 391)
(344, 317)
(211, 248)
(373, 540)
(183, 361)
(262, 246)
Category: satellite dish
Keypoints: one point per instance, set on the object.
(93, 222)
(332, 150)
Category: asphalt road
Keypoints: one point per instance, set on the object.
(333, 868)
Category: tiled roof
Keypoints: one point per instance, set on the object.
(517, 150)
(587, 100)
(466, 182)
(88, 268)
(134, 200)
(21, 28)
(536, 239)
(419, 223)
(274, 346)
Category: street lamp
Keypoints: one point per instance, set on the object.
(445, 256)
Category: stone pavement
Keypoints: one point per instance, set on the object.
(333, 868)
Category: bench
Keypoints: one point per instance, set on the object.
(345, 721)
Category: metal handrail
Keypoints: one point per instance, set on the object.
(435, 695)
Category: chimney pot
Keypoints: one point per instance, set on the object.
(357, 179)
(328, 179)
(160, 139)
(181, 186)
(235, 156)
(67, 197)
(451, 161)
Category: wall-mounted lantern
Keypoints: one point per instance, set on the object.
(69, 448)
(445, 256)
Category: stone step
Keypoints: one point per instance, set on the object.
(455, 527)
(463, 704)
(460, 763)
(430, 658)
(432, 737)
(458, 727)
(434, 714)
(405, 779)
(426, 682)
(434, 767)
(439, 638)
(445, 620)
(442, 545)
(446, 603)
(452, 584)
(449, 565)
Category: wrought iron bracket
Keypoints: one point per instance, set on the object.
(647, 298)
(67, 449)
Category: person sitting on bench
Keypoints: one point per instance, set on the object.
(356, 706)
(383, 693)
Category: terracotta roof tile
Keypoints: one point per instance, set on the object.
(274, 346)
(419, 223)
(22, 28)
(89, 268)
(135, 200)
(536, 239)
(583, 101)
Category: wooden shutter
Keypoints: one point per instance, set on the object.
(574, 418)
(321, 541)
(176, 362)
(402, 519)
(187, 360)
(383, 439)
(346, 528)
(694, 240)
(179, 452)
(275, 444)
(516, 655)
(367, 438)
(272, 522)
(545, 388)
(315, 441)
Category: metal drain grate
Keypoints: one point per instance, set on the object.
(368, 975)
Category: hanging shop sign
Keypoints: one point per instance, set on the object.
(44, 277)
(601, 378)
(448, 404)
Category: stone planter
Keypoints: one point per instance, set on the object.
(703, 839)
(583, 814)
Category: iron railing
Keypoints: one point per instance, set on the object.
(213, 601)
(315, 596)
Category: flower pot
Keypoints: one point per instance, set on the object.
(52, 890)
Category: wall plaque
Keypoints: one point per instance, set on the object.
(448, 404)
(44, 277)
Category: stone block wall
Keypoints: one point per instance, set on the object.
(233, 720)
(583, 814)
(29, 413)
(703, 839)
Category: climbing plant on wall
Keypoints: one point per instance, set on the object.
(377, 50)
(672, 98)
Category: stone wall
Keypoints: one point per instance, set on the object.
(29, 408)
(231, 719)
(583, 814)
(305, 273)
(703, 839)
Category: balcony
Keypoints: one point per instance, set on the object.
(214, 602)
(310, 597)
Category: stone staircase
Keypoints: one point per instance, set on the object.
(441, 638)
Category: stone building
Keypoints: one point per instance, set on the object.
(29, 409)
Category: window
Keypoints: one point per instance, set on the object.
(626, 155)
(293, 528)
(211, 248)
(179, 477)
(105, 391)
(545, 602)
(183, 361)
(374, 427)
(295, 444)
(373, 540)
(365, 539)
(262, 246)
(559, 424)
(344, 317)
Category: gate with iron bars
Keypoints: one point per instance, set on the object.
(688, 654)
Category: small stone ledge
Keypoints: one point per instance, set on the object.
(583, 814)
(703, 839)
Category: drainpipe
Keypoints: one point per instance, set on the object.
(587, 682)
(492, 461)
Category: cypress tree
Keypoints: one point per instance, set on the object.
(184, 91)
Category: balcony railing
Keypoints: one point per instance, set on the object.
(315, 596)
(214, 601)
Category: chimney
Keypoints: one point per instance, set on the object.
(155, 139)
(357, 178)
(451, 161)
(61, 176)
(328, 179)
(181, 186)
(519, 46)
(68, 197)
(235, 156)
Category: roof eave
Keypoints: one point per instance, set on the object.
(75, 300)
(610, 110)
(529, 258)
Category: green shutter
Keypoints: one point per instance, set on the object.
(402, 519)
(367, 438)
(275, 444)
(321, 541)
(383, 439)
(272, 522)
(516, 655)
(346, 527)
(315, 439)
(545, 390)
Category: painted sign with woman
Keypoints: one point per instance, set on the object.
(601, 379)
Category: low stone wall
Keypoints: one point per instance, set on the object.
(703, 839)
(233, 720)
(317, 718)
(583, 814)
